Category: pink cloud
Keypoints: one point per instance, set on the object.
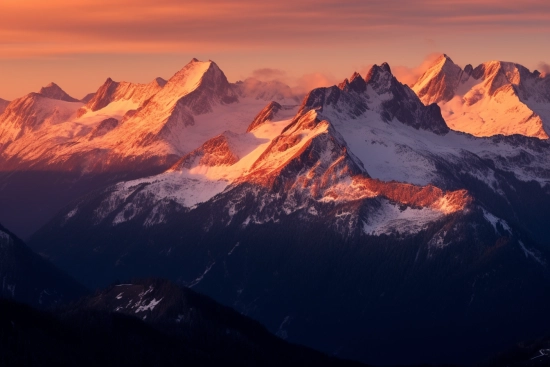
(544, 68)
(307, 82)
(409, 75)
(299, 85)
(266, 74)
(101, 26)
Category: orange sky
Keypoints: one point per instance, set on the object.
(79, 43)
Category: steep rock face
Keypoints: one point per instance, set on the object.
(28, 278)
(494, 98)
(3, 105)
(215, 152)
(440, 82)
(379, 92)
(267, 114)
(88, 97)
(53, 91)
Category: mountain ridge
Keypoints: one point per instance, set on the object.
(357, 222)
(494, 98)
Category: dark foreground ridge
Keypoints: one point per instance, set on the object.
(162, 325)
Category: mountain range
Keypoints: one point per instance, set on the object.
(493, 98)
(363, 219)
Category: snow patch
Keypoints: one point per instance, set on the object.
(147, 306)
(200, 277)
(233, 249)
(494, 220)
(390, 218)
(530, 253)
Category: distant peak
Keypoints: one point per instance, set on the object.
(344, 84)
(376, 72)
(50, 86)
(354, 83)
(354, 76)
(194, 59)
(54, 91)
(442, 62)
(439, 81)
(446, 58)
(195, 69)
(386, 67)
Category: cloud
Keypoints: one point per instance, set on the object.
(405, 74)
(305, 83)
(287, 83)
(30, 27)
(297, 85)
(266, 74)
(408, 75)
(544, 68)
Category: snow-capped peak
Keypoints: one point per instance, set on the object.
(440, 81)
(497, 74)
(189, 77)
(381, 92)
(354, 83)
(494, 98)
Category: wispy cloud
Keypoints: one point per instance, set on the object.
(544, 68)
(409, 75)
(299, 85)
(39, 27)
(267, 74)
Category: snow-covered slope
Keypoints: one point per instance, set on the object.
(31, 113)
(130, 94)
(133, 126)
(494, 98)
(273, 111)
(440, 82)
